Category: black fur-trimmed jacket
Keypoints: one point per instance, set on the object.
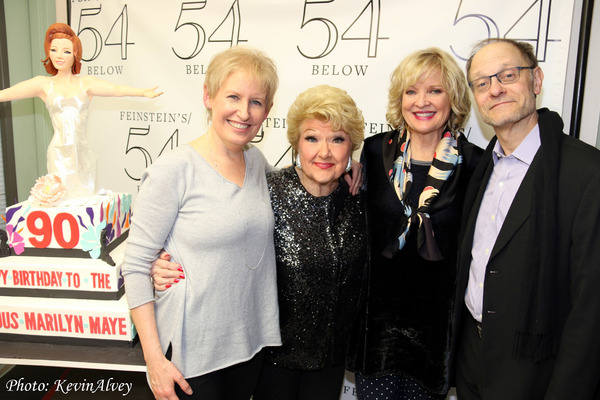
(404, 322)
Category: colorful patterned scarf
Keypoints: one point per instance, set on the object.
(446, 159)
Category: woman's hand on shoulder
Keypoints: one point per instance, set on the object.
(163, 376)
(355, 179)
(165, 273)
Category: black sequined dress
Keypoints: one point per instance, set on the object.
(320, 248)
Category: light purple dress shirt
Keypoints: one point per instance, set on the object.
(502, 187)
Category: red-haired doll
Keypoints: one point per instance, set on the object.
(67, 96)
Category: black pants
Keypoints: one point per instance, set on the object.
(278, 383)
(233, 383)
(468, 362)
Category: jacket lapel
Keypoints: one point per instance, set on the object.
(473, 197)
(518, 213)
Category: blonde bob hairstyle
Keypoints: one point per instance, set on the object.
(326, 104)
(417, 66)
(242, 58)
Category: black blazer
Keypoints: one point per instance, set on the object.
(574, 372)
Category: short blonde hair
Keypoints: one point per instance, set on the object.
(326, 104)
(419, 65)
(242, 58)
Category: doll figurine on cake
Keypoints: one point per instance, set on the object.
(71, 160)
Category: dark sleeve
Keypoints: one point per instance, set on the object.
(576, 372)
(366, 152)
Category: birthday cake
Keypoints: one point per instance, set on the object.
(87, 322)
(63, 265)
(88, 230)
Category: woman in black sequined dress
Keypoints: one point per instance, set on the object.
(320, 249)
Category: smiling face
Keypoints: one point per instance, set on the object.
(61, 54)
(504, 105)
(426, 105)
(324, 155)
(238, 109)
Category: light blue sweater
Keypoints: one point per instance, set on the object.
(225, 310)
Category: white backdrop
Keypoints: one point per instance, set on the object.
(352, 44)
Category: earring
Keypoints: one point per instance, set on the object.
(450, 124)
(298, 165)
(349, 166)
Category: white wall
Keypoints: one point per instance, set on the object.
(590, 125)
(590, 122)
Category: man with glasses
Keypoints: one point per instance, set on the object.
(528, 289)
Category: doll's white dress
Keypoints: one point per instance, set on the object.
(70, 154)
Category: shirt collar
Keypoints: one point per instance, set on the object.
(525, 151)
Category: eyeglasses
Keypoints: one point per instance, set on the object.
(506, 76)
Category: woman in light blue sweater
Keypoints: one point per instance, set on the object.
(207, 204)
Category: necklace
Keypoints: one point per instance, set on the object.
(256, 225)
(243, 219)
(211, 153)
(232, 169)
(258, 215)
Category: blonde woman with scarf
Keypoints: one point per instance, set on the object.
(415, 176)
